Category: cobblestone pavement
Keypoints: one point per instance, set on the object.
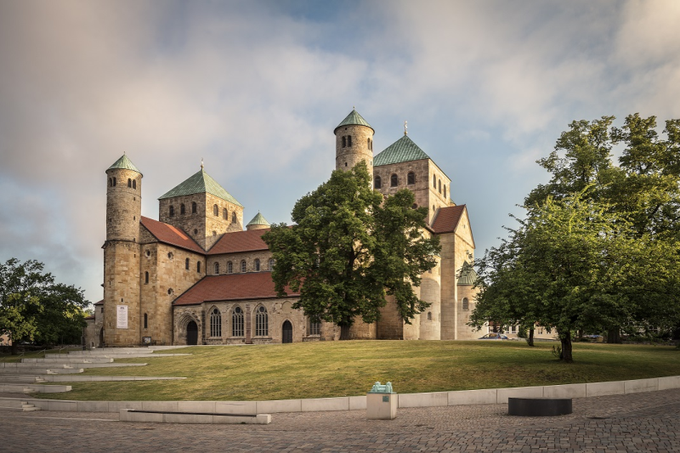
(642, 422)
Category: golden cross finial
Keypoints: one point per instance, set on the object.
(405, 127)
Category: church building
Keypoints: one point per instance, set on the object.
(197, 276)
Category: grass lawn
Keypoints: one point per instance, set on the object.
(347, 368)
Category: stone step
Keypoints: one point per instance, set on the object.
(17, 405)
(38, 371)
(68, 360)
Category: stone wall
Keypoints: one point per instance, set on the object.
(236, 258)
(348, 156)
(204, 226)
(121, 288)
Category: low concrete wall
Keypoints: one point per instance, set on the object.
(132, 415)
(455, 398)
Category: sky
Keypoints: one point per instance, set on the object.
(255, 89)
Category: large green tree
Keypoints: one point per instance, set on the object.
(35, 308)
(617, 259)
(349, 248)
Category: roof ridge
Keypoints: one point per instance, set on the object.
(200, 182)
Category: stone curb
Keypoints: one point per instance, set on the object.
(455, 398)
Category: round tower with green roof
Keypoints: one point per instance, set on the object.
(123, 201)
(354, 143)
(121, 254)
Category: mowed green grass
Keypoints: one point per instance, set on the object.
(348, 368)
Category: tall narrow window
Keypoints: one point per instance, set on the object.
(134, 184)
(230, 267)
(186, 264)
(129, 183)
(434, 181)
(216, 210)
(215, 323)
(237, 322)
(466, 303)
(225, 214)
(344, 141)
(257, 265)
(394, 180)
(114, 182)
(272, 262)
(182, 209)
(146, 321)
(444, 190)
(233, 217)
(378, 182)
(440, 186)
(172, 211)
(198, 267)
(193, 208)
(217, 268)
(349, 140)
(243, 266)
(261, 322)
(411, 178)
(314, 327)
(146, 277)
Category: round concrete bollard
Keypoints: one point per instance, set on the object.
(539, 407)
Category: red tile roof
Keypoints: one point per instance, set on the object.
(240, 241)
(447, 219)
(213, 288)
(101, 302)
(170, 235)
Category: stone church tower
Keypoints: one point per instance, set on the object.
(353, 142)
(121, 253)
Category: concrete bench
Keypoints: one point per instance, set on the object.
(135, 415)
(539, 407)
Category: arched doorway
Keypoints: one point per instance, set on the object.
(287, 332)
(192, 333)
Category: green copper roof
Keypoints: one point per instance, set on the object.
(258, 220)
(125, 164)
(200, 182)
(354, 119)
(467, 277)
(403, 150)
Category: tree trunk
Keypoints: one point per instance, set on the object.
(565, 339)
(15, 347)
(530, 338)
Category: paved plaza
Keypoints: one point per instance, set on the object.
(640, 422)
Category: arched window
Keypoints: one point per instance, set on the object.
(216, 210)
(114, 182)
(225, 214)
(237, 322)
(440, 186)
(257, 265)
(394, 180)
(261, 322)
(243, 266)
(429, 316)
(230, 267)
(146, 321)
(193, 208)
(349, 140)
(344, 141)
(215, 323)
(198, 267)
(146, 277)
(272, 262)
(434, 181)
(186, 264)
(368, 143)
(444, 190)
(466, 303)
(172, 211)
(134, 184)
(433, 209)
(378, 182)
(110, 182)
(233, 217)
(129, 183)
(182, 209)
(411, 178)
(314, 327)
(217, 268)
